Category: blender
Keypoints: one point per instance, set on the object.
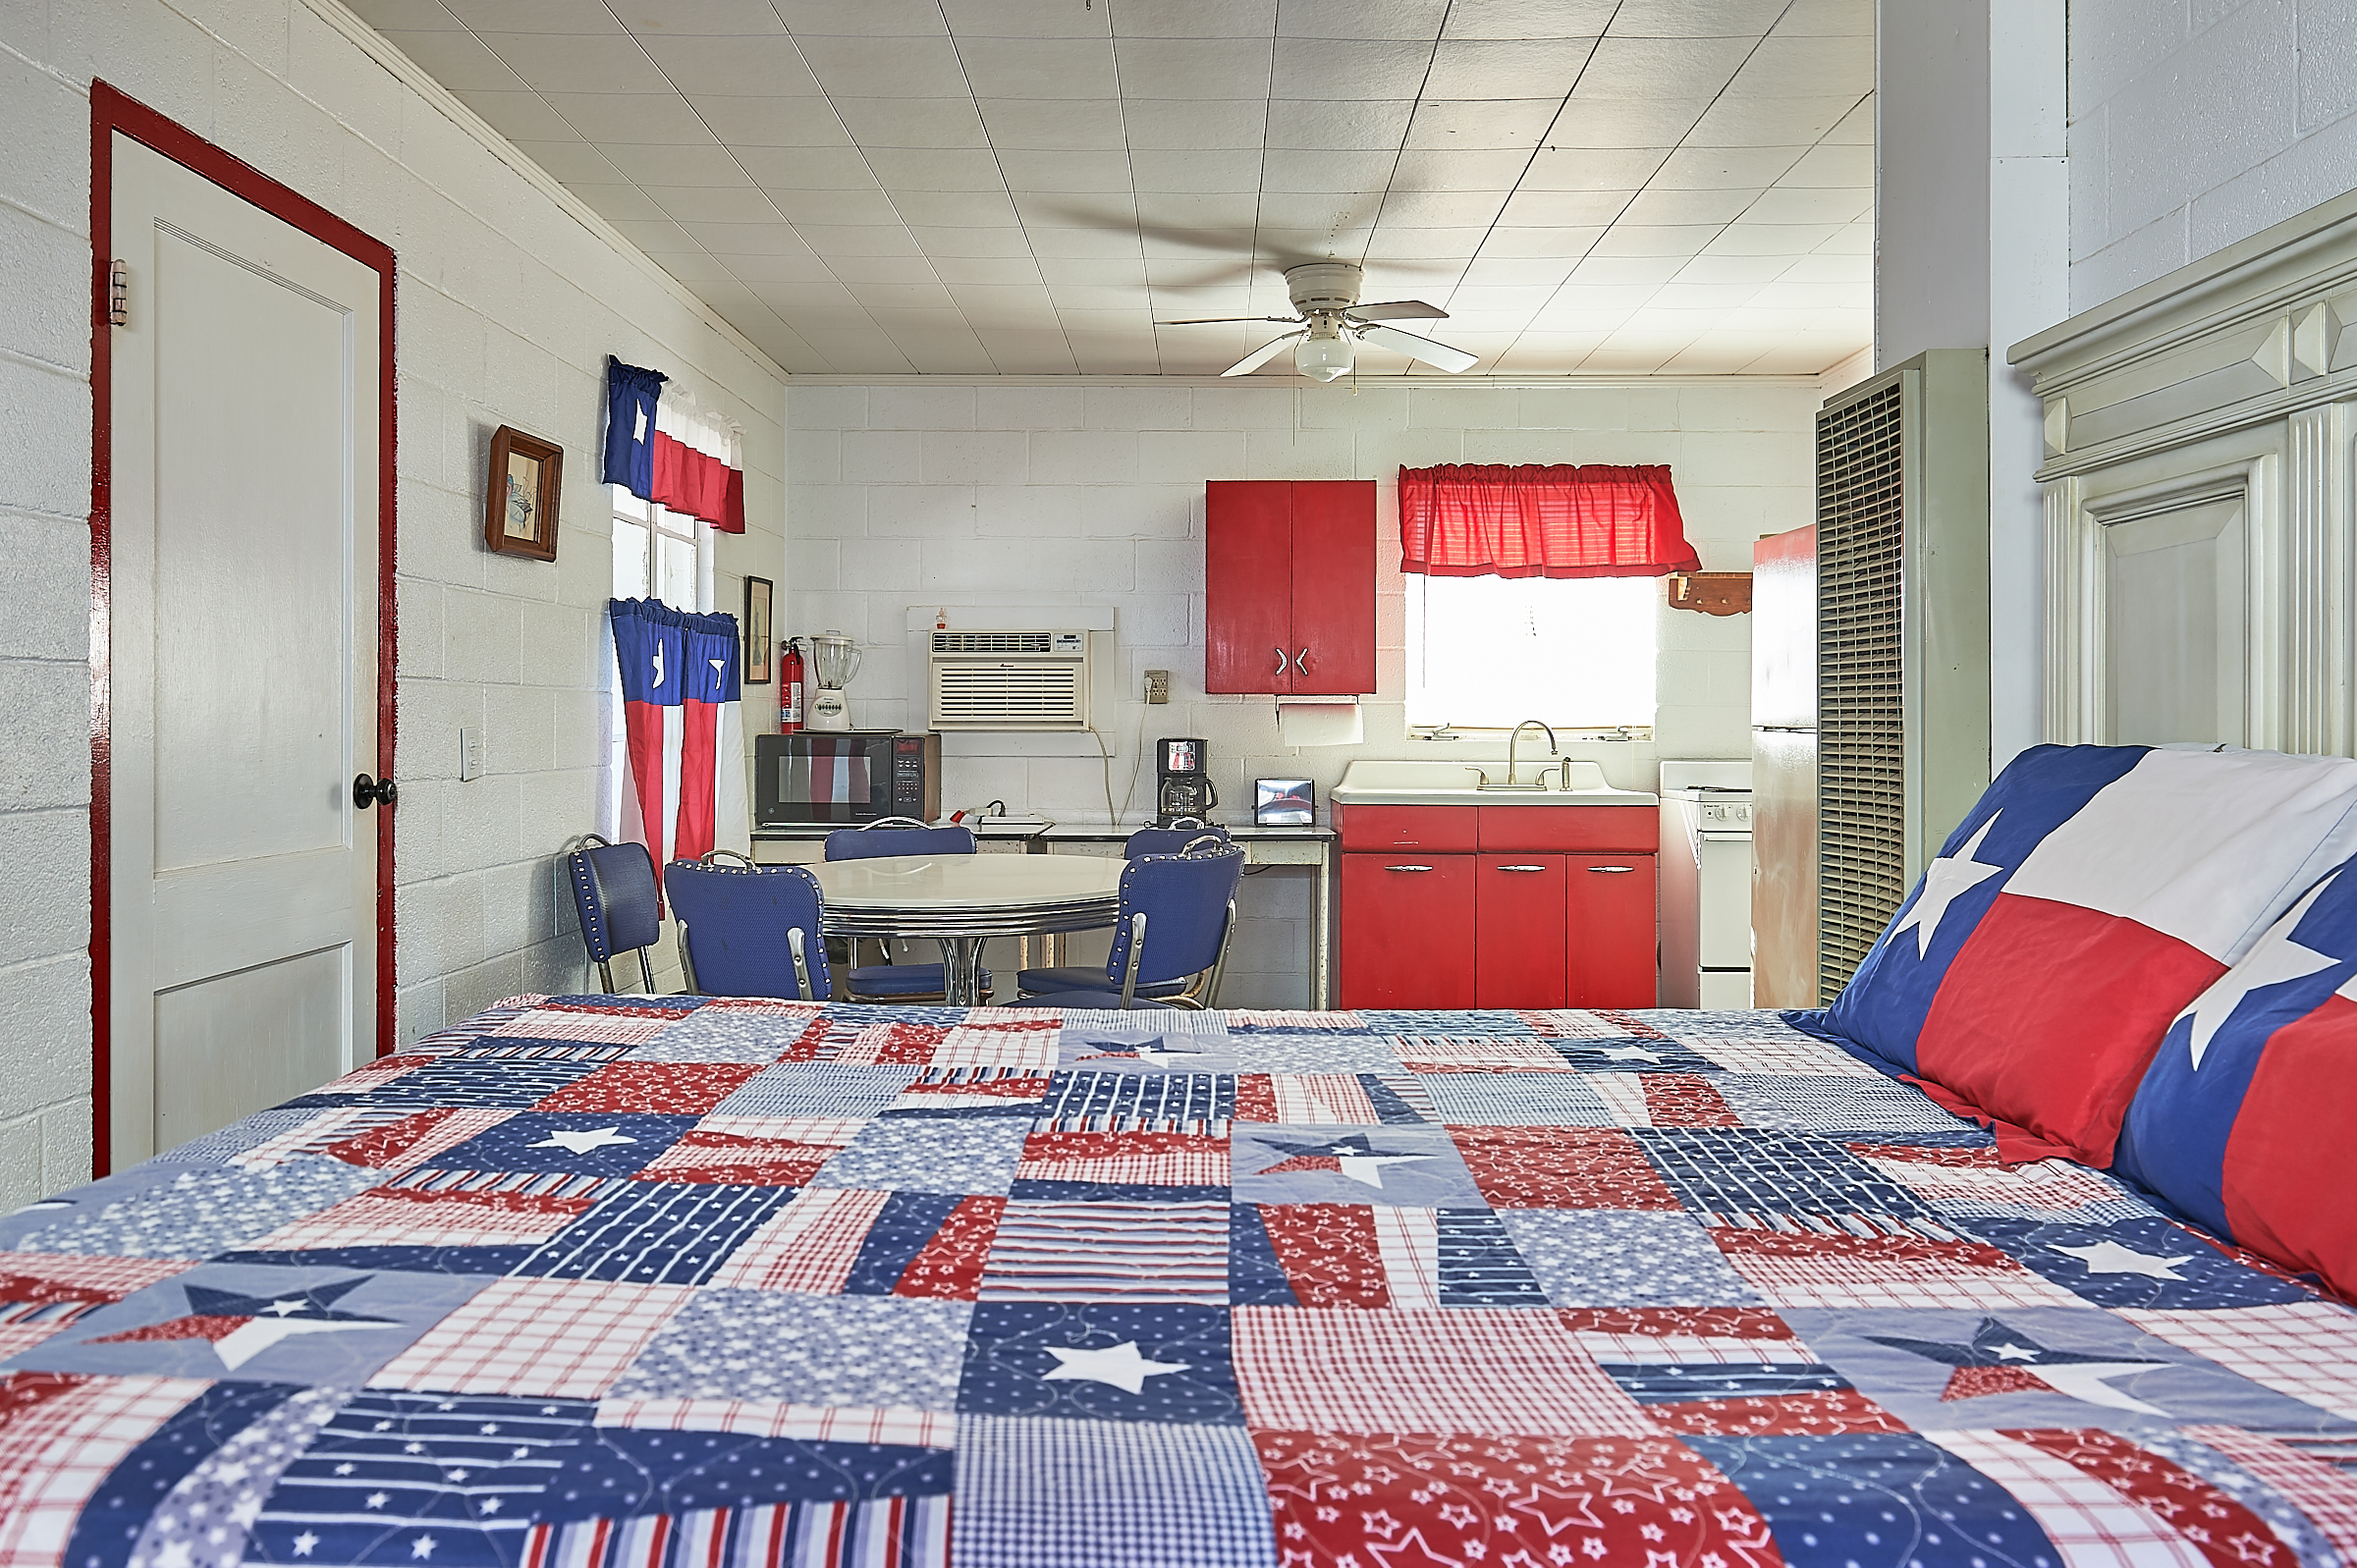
(834, 661)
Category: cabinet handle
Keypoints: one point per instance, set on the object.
(1280, 661)
(1609, 869)
(1521, 868)
(1301, 662)
(1407, 868)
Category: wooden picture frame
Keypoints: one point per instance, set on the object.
(521, 494)
(759, 649)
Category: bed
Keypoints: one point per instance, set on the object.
(593, 1280)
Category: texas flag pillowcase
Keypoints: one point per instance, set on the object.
(2247, 1116)
(2090, 896)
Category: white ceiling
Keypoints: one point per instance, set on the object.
(889, 187)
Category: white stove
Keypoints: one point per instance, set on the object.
(1706, 885)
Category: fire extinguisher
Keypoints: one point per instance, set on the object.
(789, 688)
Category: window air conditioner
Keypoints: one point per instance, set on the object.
(1008, 680)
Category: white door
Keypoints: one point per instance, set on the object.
(243, 650)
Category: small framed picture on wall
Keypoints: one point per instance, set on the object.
(757, 646)
(520, 495)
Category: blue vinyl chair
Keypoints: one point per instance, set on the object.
(1169, 944)
(1169, 841)
(614, 889)
(747, 930)
(900, 836)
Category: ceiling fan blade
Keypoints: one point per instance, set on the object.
(1437, 355)
(1398, 310)
(1259, 356)
(1214, 321)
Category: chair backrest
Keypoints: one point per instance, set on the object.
(1185, 899)
(614, 889)
(1168, 840)
(900, 836)
(740, 926)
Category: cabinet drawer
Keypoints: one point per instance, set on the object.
(1573, 829)
(1435, 829)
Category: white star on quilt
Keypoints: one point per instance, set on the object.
(1945, 881)
(1367, 1170)
(1122, 1367)
(306, 1544)
(2110, 1257)
(1632, 1053)
(2273, 961)
(581, 1143)
(2012, 1352)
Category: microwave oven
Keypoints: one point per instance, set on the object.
(844, 775)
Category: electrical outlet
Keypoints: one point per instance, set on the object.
(1158, 686)
(471, 753)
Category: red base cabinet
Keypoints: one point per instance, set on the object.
(1444, 906)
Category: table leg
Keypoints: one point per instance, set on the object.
(1321, 937)
(961, 968)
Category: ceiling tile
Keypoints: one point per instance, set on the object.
(1061, 273)
(1026, 19)
(1829, 165)
(968, 171)
(1083, 244)
(803, 267)
(1505, 241)
(1064, 171)
(755, 122)
(642, 118)
(871, 208)
(1205, 124)
(1818, 267)
(1559, 167)
(1506, 68)
(1392, 243)
(1481, 124)
(1208, 220)
(1659, 208)
(1366, 124)
(1734, 269)
(1785, 65)
(1282, 244)
(1049, 125)
(882, 67)
(1415, 19)
(1578, 209)
(952, 122)
(1487, 270)
(959, 210)
(615, 201)
(1734, 122)
(1704, 19)
(521, 114)
(1812, 205)
(577, 63)
(1770, 238)
(802, 302)
(710, 204)
(1530, 19)
(1459, 170)
(1194, 173)
(771, 239)
(988, 272)
(1069, 211)
(879, 18)
(1197, 19)
(1442, 209)
(460, 61)
(808, 168)
(971, 241)
(1002, 304)
(1192, 69)
(392, 16)
(902, 296)
(1038, 68)
(1724, 168)
(709, 165)
(701, 266)
(857, 240)
(574, 162)
(1856, 128)
(728, 19)
(1704, 295)
(534, 16)
(1856, 239)
(1345, 68)
(1832, 19)
(764, 67)
(1663, 68)
(884, 269)
(655, 235)
(1320, 172)
(1625, 121)
(1625, 271)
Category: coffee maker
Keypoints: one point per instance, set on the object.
(1182, 784)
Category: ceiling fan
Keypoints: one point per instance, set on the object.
(1333, 323)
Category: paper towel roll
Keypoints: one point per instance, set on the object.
(1320, 724)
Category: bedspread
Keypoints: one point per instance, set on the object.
(596, 1280)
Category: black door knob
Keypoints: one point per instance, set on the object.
(367, 791)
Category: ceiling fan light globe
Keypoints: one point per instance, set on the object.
(1324, 358)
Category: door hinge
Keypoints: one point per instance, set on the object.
(117, 294)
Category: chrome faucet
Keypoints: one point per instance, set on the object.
(1553, 750)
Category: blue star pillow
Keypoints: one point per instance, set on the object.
(2089, 897)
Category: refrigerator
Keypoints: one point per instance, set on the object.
(1784, 770)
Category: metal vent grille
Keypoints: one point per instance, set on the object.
(1012, 696)
(1861, 741)
(993, 642)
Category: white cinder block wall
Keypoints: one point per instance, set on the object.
(508, 300)
(1090, 492)
(2196, 123)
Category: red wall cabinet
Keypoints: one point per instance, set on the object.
(1290, 587)
(1444, 906)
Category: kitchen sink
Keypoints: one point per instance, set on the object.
(1459, 783)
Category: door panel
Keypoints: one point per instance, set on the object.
(2174, 621)
(1520, 931)
(1248, 585)
(1334, 586)
(1407, 931)
(243, 649)
(1610, 953)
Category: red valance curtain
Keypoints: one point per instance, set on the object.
(1541, 521)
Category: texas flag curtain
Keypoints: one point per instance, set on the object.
(668, 453)
(683, 731)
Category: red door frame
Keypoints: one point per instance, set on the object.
(113, 111)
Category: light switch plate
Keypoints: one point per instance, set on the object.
(471, 753)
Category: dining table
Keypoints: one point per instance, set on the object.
(961, 901)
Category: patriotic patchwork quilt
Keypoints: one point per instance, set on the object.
(595, 1281)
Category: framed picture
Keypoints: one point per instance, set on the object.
(1283, 803)
(519, 497)
(757, 646)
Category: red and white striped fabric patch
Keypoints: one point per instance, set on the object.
(2089, 1523)
(410, 1142)
(809, 1245)
(2326, 1493)
(1684, 1337)
(1809, 1268)
(60, 1434)
(550, 1339)
(566, 1023)
(1082, 1252)
(408, 1216)
(1145, 1158)
(899, 1425)
(2307, 1349)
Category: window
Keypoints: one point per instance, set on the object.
(1486, 653)
(661, 554)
